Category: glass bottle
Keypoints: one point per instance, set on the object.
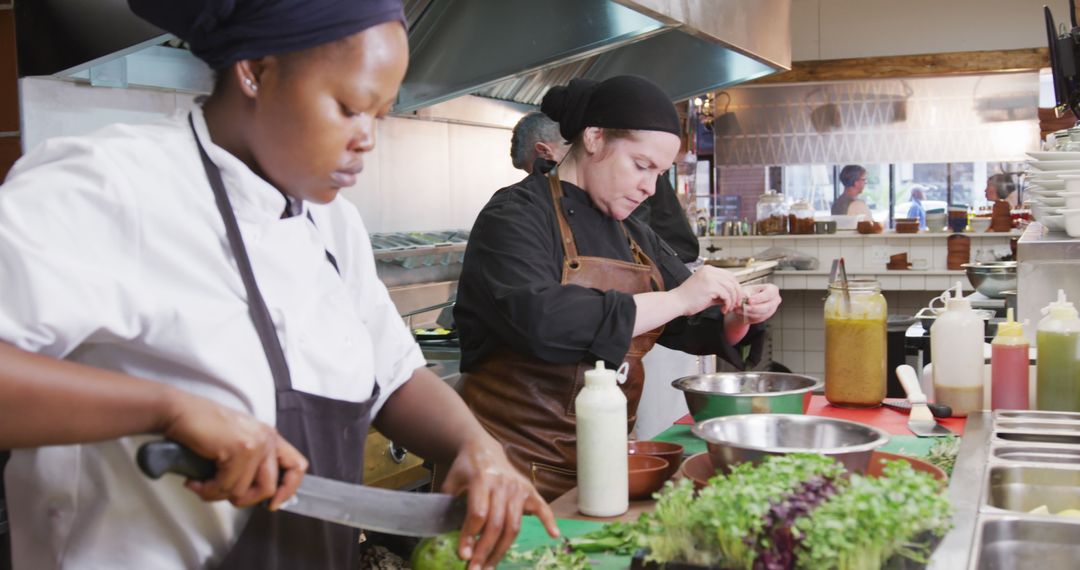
(855, 344)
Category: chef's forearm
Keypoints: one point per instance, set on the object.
(655, 309)
(428, 418)
(44, 401)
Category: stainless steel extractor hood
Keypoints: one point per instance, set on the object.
(516, 49)
(506, 49)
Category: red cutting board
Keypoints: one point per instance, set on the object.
(887, 419)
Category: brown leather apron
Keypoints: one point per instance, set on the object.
(528, 404)
(330, 433)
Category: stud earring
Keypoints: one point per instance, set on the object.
(251, 84)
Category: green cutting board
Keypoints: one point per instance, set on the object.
(533, 535)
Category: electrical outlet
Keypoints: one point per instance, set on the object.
(879, 254)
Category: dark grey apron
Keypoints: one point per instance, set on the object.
(330, 433)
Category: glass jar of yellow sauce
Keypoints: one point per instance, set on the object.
(855, 341)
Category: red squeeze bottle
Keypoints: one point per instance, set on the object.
(1009, 367)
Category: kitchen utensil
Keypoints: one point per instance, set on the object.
(921, 422)
(370, 508)
(992, 278)
(844, 282)
(731, 393)
(647, 474)
(751, 437)
(902, 405)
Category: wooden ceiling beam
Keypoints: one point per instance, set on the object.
(923, 65)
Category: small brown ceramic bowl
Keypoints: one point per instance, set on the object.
(671, 452)
(646, 475)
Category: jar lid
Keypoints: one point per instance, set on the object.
(771, 197)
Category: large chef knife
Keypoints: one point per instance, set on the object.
(370, 508)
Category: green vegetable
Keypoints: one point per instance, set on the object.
(943, 453)
(873, 520)
(437, 553)
(558, 557)
(724, 521)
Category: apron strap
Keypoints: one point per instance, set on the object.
(569, 245)
(260, 315)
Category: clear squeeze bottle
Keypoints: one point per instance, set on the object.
(956, 345)
(1058, 365)
(602, 473)
(1009, 366)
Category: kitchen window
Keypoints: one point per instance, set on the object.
(888, 185)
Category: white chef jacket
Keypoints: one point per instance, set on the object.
(113, 254)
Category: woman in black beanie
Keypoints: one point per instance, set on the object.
(198, 278)
(557, 276)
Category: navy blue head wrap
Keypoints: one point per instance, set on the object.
(222, 32)
(622, 102)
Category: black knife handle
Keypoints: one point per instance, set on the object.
(157, 458)
(939, 410)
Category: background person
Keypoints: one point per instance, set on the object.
(1001, 187)
(558, 275)
(198, 278)
(536, 136)
(853, 178)
(918, 194)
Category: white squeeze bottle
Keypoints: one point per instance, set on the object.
(602, 473)
(956, 346)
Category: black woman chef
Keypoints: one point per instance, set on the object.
(198, 277)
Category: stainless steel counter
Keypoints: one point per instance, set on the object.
(1010, 463)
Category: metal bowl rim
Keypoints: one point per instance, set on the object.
(816, 383)
(991, 265)
(882, 435)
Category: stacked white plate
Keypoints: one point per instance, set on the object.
(1054, 188)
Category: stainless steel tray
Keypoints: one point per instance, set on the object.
(1011, 462)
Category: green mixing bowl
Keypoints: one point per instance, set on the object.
(730, 393)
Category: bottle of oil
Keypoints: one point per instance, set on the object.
(1058, 366)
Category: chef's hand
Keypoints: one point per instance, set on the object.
(498, 496)
(249, 454)
(709, 286)
(759, 302)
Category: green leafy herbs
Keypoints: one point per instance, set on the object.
(873, 520)
(617, 537)
(943, 453)
(561, 556)
(723, 523)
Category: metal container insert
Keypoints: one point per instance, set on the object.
(1011, 463)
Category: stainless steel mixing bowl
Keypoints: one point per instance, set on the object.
(992, 278)
(730, 393)
(750, 437)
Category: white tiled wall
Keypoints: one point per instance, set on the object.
(422, 175)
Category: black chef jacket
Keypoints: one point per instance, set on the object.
(664, 214)
(510, 295)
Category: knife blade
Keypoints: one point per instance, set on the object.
(369, 508)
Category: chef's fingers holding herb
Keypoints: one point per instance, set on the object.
(498, 496)
(709, 286)
(254, 462)
(759, 302)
